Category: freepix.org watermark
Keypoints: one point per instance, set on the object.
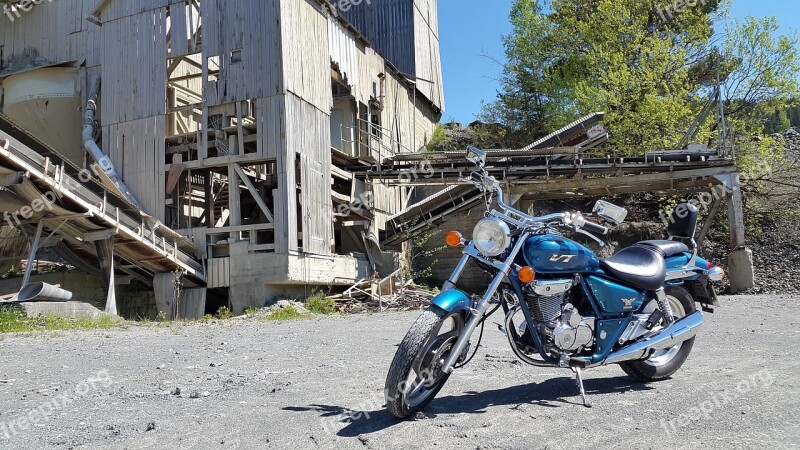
(346, 5)
(46, 201)
(759, 380)
(15, 10)
(678, 7)
(38, 416)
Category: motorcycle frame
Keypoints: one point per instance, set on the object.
(506, 272)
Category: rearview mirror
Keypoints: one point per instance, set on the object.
(476, 156)
(610, 212)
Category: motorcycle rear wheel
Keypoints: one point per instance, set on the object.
(666, 362)
(415, 375)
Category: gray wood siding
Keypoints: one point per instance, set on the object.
(428, 59)
(48, 33)
(114, 9)
(252, 28)
(137, 149)
(308, 134)
(406, 33)
(134, 66)
(306, 55)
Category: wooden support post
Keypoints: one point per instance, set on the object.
(254, 192)
(208, 190)
(239, 130)
(735, 211)
(234, 199)
(202, 152)
(709, 221)
(32, 257)
(740, 260)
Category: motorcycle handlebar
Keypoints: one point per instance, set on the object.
(480, 180)
(595, 228)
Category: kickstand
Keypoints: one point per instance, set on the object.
(579, 381)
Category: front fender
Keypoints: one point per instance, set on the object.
(453, 300)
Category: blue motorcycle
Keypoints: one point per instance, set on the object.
(564, 306)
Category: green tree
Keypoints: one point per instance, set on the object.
(572, 57)
(533, 100)
(793, 113)
(762, 73)
(777, 122)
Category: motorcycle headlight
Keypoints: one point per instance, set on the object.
(491, 236)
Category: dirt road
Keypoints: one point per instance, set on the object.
(318, 384)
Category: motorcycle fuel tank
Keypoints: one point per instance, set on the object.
(555, 254)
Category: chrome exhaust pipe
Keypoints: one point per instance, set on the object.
(680, 331)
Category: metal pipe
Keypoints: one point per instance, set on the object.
(509, 324)
(680, 331)
(43, 292)
(94, 150)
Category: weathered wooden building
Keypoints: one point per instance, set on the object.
(233, 123)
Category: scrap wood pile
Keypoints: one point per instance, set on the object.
(392, 292)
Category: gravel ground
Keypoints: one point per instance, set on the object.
(287, 385)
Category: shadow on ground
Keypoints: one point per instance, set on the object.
(551, 394)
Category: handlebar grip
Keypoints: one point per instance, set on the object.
(595, 228)
(475, 176)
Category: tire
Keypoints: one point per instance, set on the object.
(664, 363)
(417, 356)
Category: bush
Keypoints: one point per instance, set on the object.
(224, 313)
(318, 303)
(13, 320)
(287, 313)
(252, 311)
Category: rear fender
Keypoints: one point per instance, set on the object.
(453, 300)
(703, 293)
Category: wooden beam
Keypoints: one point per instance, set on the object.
(100, 235)
(175, 171)
(240, 228)
(240, 130)
(254, 192)
(339, 173)
(586, 183)
(666, 186)
(234, 197)
(709, 220)
(224, 161)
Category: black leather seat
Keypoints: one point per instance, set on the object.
(667, 248)
(639, 266)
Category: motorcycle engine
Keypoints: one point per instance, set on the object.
(570, 331)
(560, 324)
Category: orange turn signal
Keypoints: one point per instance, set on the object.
(526, 275)
(453, 239)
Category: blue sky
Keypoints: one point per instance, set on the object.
(469, 30)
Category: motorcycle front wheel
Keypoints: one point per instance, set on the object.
(415, 375)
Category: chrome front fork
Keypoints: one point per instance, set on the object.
(476, 313)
